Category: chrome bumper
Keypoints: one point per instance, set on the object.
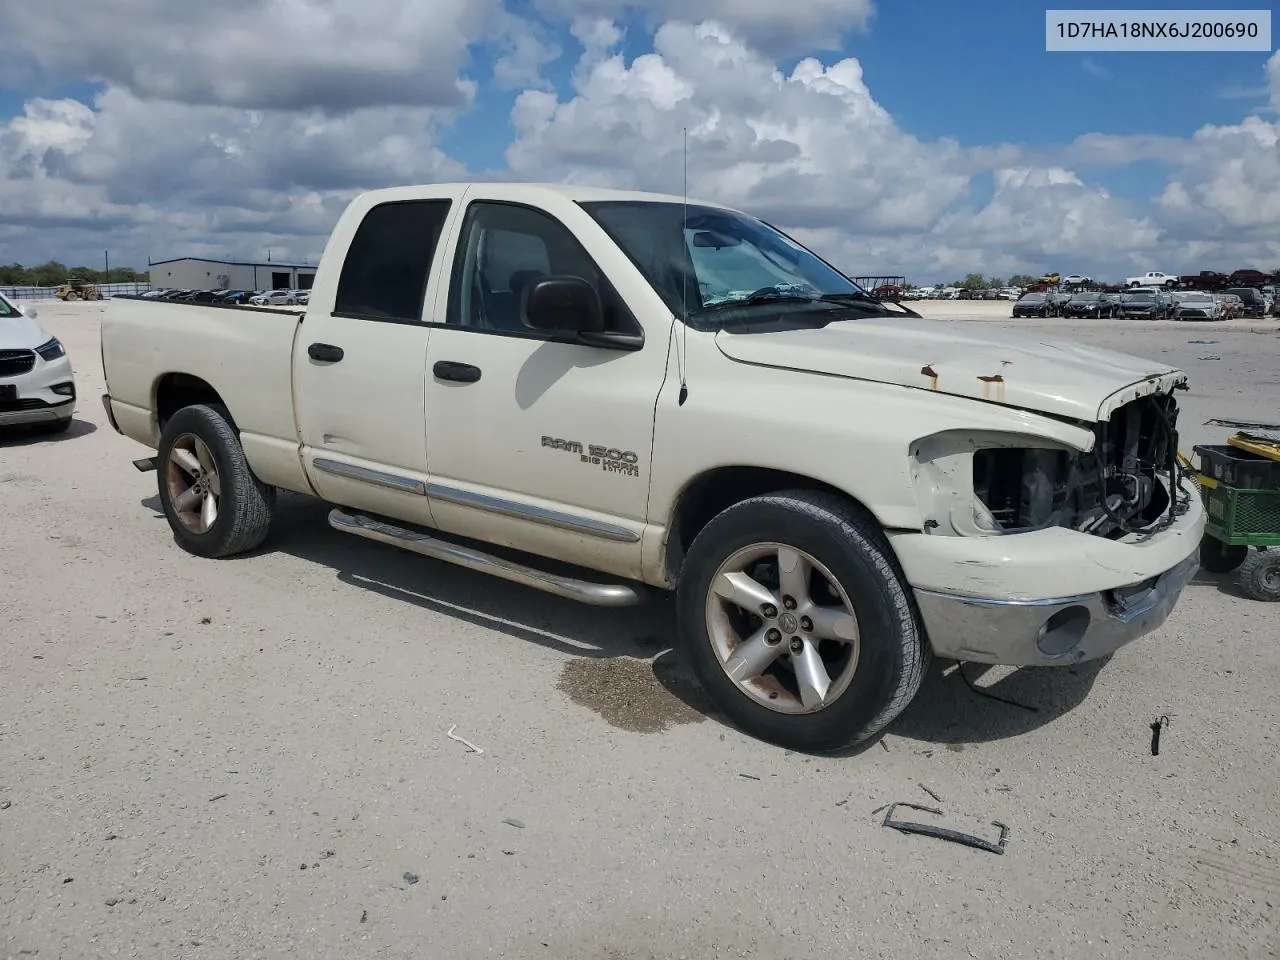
(1052, 632)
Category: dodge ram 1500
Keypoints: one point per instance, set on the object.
(656, 394)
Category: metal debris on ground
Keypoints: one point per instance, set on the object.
(410, 878)
(944, 833)
(513, 822)
(220, 796)
(364, 916)
(1208, 358)
(747, 776)
(936, 798)
(1155, 735)
(466, 743)
(1202, 341)
(1241, 424)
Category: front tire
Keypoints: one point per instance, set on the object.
(797, 622)
(215, 505)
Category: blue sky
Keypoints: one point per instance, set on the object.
(927, 137)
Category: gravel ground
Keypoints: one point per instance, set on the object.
(249, 757)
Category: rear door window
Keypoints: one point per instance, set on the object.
(385, 274)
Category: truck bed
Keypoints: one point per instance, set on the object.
(244, 353)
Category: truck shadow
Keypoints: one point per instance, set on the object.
(946, 710)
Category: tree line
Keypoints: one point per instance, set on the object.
(53, 273)
(976, 281)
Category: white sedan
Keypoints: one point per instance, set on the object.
(275, 298)
(37, 386)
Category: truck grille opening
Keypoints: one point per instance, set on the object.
(1119, 488)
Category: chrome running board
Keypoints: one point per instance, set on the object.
(584, 591)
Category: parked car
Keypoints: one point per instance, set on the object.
(37, 384)
(1231, 305)
(1253, 278)
(813, 579)
(1153, 278)
(1252, 302)
(1088, 305)
(1032, 305)
(1075, 280)
(275, 298)
(1058, 300)
(1197, 305)
(1146, 305)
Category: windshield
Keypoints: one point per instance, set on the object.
(1139, 298)
(1033, 297)
(7, 309)
(729, 262)
(1197, 298)
(1086, 297)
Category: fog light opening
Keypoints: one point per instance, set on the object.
(1063, 631)
(64, 389)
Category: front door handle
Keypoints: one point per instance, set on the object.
(325, 352)
(457, 372)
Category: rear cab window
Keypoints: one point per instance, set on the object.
(384, 276)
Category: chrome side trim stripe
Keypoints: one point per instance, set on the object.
(366, 475)
(551, 518)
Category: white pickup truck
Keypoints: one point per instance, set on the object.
(1152, 278)
(605, 394)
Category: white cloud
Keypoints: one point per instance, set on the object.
(283, 54)
(811, 147)
(184, 152)
(775, 27)
(157, 177)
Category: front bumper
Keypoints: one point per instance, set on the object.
(43, 394)
(1052, 632)
(1049, 597)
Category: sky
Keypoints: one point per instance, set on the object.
(924, 138)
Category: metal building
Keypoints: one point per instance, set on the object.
(190, 273)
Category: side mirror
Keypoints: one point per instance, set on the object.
(27, 310)
(562, 303)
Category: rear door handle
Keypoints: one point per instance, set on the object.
(325, 352)
(457, 372)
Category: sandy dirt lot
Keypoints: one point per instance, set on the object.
(248, 757)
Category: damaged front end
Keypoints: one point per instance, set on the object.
(1113, 479)
(1122, 486)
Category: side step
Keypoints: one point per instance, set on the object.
(584, 591)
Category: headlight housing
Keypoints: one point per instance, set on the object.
(980, 484)
(51, 349)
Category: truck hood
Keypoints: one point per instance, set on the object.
(20, 333)
(1056, 377)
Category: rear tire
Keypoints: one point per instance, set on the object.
(825, 679)
(215, 505)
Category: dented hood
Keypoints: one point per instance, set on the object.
(1011, 368)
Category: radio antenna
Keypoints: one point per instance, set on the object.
(686, 269)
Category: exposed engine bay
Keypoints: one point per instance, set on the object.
(1121, 487)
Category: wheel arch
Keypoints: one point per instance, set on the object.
(715, 490)
(174, 390)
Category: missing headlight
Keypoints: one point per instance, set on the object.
(1120, 487)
